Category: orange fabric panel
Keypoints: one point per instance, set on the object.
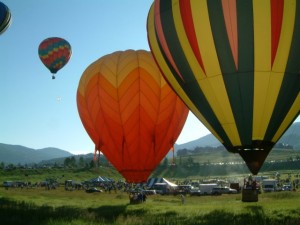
(230, 16)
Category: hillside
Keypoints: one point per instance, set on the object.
(290, 137)
(19, 154)
(207, 140)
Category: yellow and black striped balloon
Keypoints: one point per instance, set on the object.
(236, 64)
(5, 17)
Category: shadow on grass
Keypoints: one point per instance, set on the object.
(109, 214)
(254, 215)
(13, 212)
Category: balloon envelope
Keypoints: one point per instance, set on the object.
(5, 17)
(130, 112)
(55, 53)
(236, 66)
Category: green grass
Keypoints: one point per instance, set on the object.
(222, 155)
(39, 206)
(53, 207)
(38, 175)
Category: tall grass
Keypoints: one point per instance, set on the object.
(55, 207)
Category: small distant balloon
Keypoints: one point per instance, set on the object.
(54, 53)
(5, 17)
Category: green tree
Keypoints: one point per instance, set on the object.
(67, 162)
(190, 161)
(73, 162)
(92, 164)
(81, 162)
(165, 162)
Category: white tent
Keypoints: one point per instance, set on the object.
(153, 181)
(169, 183)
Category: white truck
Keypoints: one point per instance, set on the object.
(269, 185)
(206, 189)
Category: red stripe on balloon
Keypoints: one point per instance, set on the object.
(276, 23)
(230, 17)
(187, 19)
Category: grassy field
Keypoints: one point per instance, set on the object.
(216, 156)
(51, 207)
(37, 175)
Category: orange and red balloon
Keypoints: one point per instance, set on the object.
(130, 112)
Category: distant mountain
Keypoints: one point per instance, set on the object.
(290, 137)
(207, 140)
(19, 154)
(86, 157)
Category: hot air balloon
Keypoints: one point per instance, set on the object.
(5, 17)
(236, 66)
(130, 112)
(54, 53)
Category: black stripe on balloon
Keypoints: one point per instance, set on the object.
(220, 37)
(224, 52)
(240, 84)
(189, 85)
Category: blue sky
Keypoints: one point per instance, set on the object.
(38, 112)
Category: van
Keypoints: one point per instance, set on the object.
(183, 189)
(161, 188)
(206, 189)
(269, 185)
(223, 190)
(8, 184)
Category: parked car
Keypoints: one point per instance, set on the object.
(236, 186)
(286, 187)
(223, 190)
(182, 189)
(195, 191)
(92, 190)
(150, 192)
(162, 188)
(144, 191)
(7, 184)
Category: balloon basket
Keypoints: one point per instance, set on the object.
(137, 198)
(135, 201)
(249, 195)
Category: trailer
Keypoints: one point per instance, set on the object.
(269, 185)
(206, 189)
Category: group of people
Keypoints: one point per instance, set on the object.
(250, 183)
(137, 197)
